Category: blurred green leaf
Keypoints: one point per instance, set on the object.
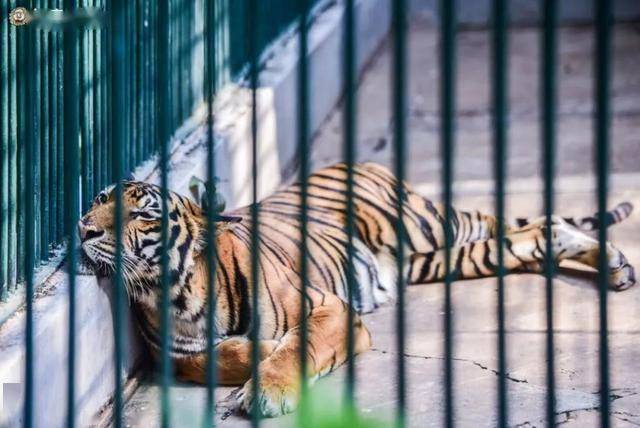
(201, 189)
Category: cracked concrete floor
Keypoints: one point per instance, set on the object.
(474, 302)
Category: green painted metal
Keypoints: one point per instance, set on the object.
(548, 107)
(399, 96)
(87, 124)
(26, 38)
(45, 117)
(350, 139)
(4, 160)
(447, 142)
(602, 75)
(210, 67)
(303, 153)
(252, 48)
(164, 107)
(500, 111)
(71, 134)
(117, 138)
(36, 123)
(54, 110)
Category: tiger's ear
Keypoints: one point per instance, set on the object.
(221, 223)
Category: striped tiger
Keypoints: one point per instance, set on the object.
(473, 255)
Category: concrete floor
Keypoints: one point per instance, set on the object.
(474, 302)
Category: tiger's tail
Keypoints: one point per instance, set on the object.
(619, 213)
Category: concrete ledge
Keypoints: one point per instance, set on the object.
(277, 138)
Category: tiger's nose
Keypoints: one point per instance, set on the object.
(87, 230)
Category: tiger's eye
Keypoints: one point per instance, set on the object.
(102, 198)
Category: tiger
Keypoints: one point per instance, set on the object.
(378, 215)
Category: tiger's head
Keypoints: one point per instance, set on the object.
(141, 237)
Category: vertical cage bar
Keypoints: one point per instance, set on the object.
(97, 79)
(500, 111)
(138, 99)
(44, 141)
(303, 152)
(350, 130)
(399, 27)
(136, 74)
(24, 93)
(447, 111)
(143, 76)
(129, 150)
(117, 137)
(12, 252)
(87, 93)
(62, 187)
(548, 133)
(4, 155)
(210, 58)
(253, 33)
(26, 39)
(105, 100)
(53, 131)
(173, 56)
(72, 172)
(152, 12)
(602, 121)
(162, 106)
(37, 126)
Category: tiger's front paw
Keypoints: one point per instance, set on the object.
(277, 394)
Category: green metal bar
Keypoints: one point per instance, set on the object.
(303, 152)
(61, 190)
(27, 81)
(163, 141)
(117, 138)
(24, 71)
(210, 9)
(105, 124)
(134, 49)
(86, 119)
(44, 141)
(72, 172)
(126, 111)
(151, 13)
(253, 33)
(142, 78)
(4, 159)
(500, 111)
(138, 98)
(191, 35)
(53, 132)
(37, 126)
(448, 111)
(98, 158)
(350, 130)
(183, 69)
(548, 85)
(12, 253)
(602, 73)
(173, 72)
(399, 29)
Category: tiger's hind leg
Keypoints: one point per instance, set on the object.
(524, 251)
(472, 226)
